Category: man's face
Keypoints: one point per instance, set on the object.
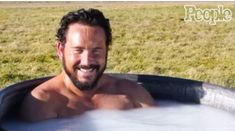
(85, 55)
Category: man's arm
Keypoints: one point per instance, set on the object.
(142, 98)
(139, 94)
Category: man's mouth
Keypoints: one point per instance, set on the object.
(86, 70)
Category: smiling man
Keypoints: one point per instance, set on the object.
(82, 45)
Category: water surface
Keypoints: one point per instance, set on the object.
(167, 116)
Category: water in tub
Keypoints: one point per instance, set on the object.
(167, 116)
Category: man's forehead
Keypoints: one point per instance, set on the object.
(84, 27)
(79, 34)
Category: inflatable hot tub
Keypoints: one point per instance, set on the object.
(160, 87)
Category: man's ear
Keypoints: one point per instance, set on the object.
(60, 49)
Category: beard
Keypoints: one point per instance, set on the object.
(84, 86)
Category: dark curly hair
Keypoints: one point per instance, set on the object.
(91, 17)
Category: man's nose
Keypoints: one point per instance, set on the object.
(86, 58)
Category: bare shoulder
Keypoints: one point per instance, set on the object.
(134, 90)
(37, 104)
(44, 91)
(126, 85)
(120, 82)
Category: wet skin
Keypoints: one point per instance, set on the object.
(82, 86)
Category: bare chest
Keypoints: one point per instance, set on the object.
(98, 101)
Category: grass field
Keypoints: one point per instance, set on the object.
(149, 38)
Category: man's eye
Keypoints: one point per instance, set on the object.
(96, 51)
(78, 51)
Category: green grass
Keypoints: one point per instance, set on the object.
(147, 38)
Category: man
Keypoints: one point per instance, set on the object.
(82, 46)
